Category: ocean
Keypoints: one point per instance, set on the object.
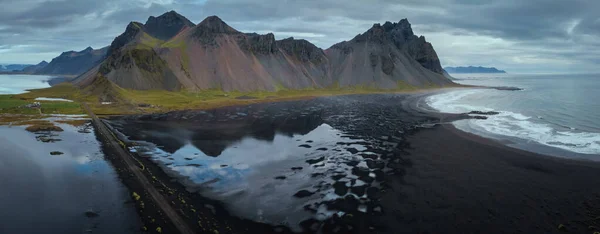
(15, 84)
(555, 115)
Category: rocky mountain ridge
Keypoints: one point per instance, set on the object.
(213, 55)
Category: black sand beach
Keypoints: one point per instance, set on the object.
(462, 183)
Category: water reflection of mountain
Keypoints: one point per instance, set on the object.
(212, 133)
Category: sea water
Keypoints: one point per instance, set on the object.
(554, 114)
(15, 84)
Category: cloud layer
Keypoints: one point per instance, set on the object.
(516, 35)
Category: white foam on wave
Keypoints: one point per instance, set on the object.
(513, 124)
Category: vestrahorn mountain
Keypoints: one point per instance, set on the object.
(169, 52)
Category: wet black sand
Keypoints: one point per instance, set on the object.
(436, 179)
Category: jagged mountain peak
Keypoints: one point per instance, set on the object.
(167, 25)
(214, 24)
(131, 32)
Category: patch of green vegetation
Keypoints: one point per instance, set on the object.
(181, 46)
(74, 122)
(15, 104)
(42, 126)
(150, 41)
(136, 196)
(161, 100)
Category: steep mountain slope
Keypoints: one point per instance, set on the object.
(132, 61)
(35, 68)
(74, 63)
(170, 53)
(385, 55)
(213, 55)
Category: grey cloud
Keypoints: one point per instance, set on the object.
(491, 32)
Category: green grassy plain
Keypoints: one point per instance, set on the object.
(155, 101)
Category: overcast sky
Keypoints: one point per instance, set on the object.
(520, 36)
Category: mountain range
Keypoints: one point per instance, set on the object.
(472, 69)
(12, 67)
(74, 62)
(169, 52)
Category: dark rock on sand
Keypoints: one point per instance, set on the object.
(91, 214)
(373, 193)
(352, 163)
(303, 194)
(296, 168)
(311, 225)
(375, 164)
(315, 161)
(484, 112)
(359, 190)
(506, 88)
(340, 188)
(367, 179)
(305, 146)
(347, 204)
(338, 176)
(379, 175)
(322, 149)
(352, 150)
(280, 178)
(360, 171)
(56, 153)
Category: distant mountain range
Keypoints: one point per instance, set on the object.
(70, 63)
(35, 68)
(74, 63)
(13, 67)
(471, 69)
(170, 52)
